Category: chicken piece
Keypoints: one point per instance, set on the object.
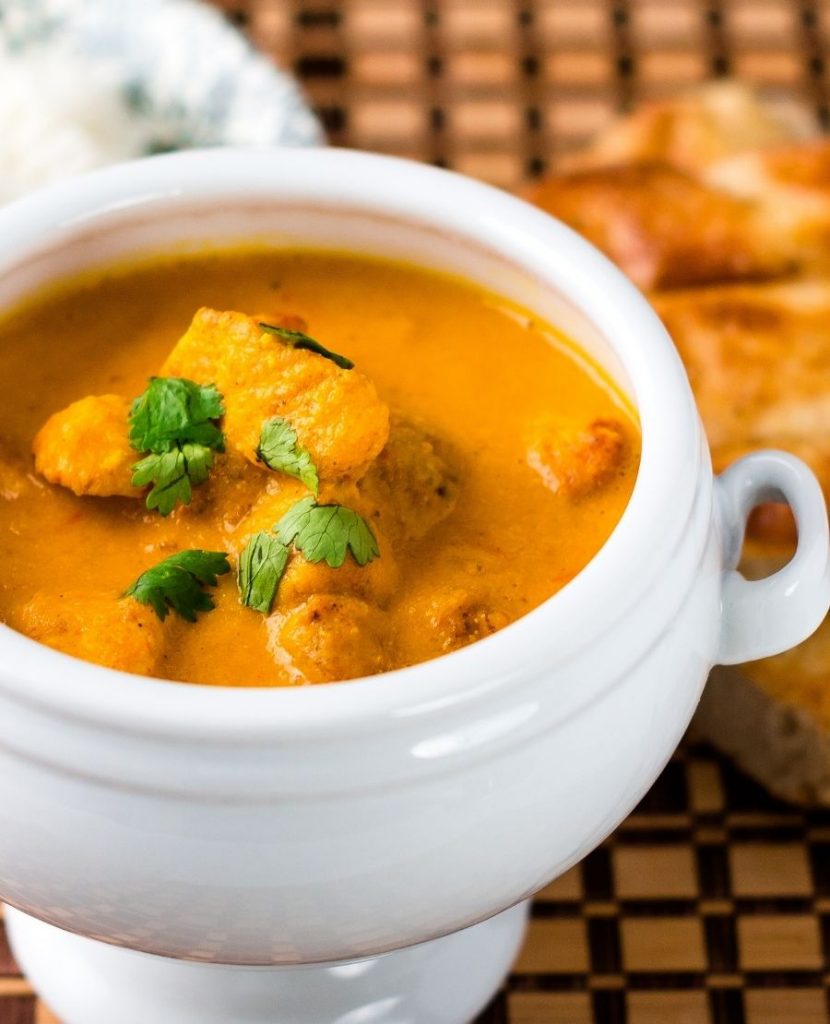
(690, 132)
(326, 624)
(440, 621)
(331, 637)
(337, 413)
(460, 618)
(98, 627)
(86, 447)
(228, 495)
(663, 228)
(577, 459)
(375, 582)
(206, 350)
(278, 494)
(434, 617)
(411, 485)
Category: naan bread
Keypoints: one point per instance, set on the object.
(663, 227)
(720, 209)
(789, 186)
(773, 716)
(757, 356)
(691, 132)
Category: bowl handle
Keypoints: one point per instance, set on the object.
(764, 617)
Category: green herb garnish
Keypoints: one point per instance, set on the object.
(179, 583)
(297, 339)
(173, 411)
(174, 420)
(327, 533)
(261, 566)
(173, 475)
(280, 449)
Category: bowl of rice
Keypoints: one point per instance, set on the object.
(85, 83)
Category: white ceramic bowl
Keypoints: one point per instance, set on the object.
(299, 826)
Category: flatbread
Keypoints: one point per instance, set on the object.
(758, 357)
(789, 186)
(719, 208)
(692, 131)
(664, 228)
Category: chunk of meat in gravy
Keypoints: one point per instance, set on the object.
(331, 636)
(576, 459)
(226, 497)
(97, 627)
(85, 447)
(411, 486)
(374, 582)
(456, 618)
(326, 623)
(337, 413)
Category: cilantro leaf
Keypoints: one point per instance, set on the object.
(174, 421)
(178, 582)
(172, 475)
(261, 566)
(174, 411)
(280, 449)
(327, 533)
(297, 339)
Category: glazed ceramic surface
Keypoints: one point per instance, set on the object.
(446, 981)
(328, 823)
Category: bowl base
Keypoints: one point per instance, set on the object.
(445, 981)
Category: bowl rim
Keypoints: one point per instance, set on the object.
(524, 236)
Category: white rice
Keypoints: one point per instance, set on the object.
(58, 117)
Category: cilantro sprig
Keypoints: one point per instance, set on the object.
(174, 421)
(323, 533)
(280, 449)
(298, 339)
(326, 533)
(179, 582)
(173, 475)
(261, 567)
(174, 410)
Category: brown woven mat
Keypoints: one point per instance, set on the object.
(494, 87)
(711, 904)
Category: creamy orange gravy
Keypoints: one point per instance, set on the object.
(485, 379)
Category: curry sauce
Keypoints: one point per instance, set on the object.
(487, 458)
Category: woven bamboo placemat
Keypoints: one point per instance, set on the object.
(711, 904)
(494, 87)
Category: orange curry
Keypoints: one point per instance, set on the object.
(466, 467)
